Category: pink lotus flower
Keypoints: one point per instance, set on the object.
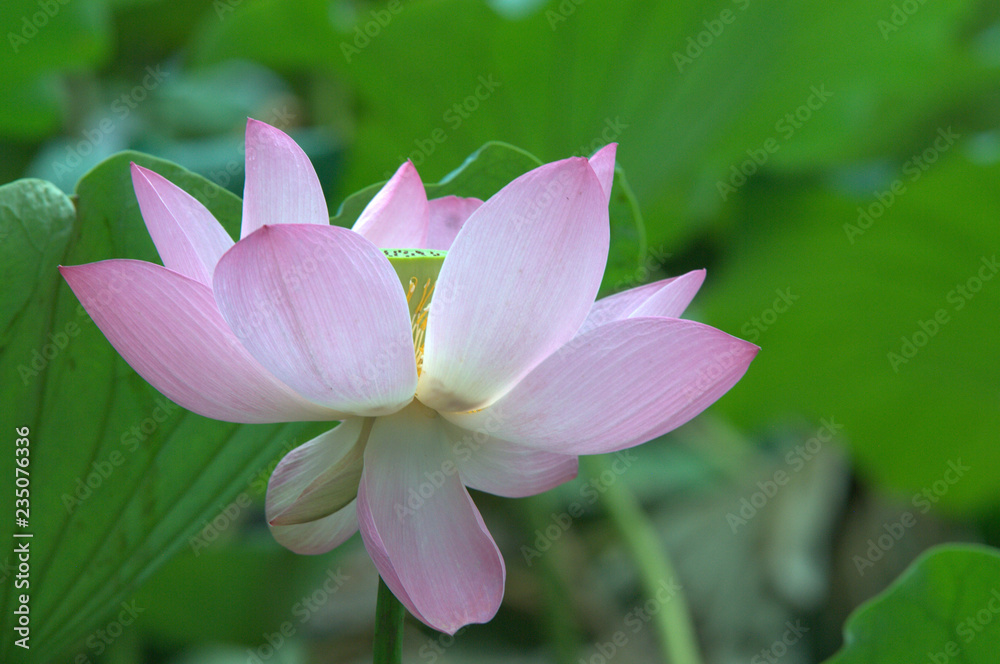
(491, 367)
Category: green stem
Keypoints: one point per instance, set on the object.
(559, 618)
(389, 614)
(673, 621)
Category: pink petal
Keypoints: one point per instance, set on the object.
(167, 327)
(422, 529)
(603, 163)
(667, 298)
(516, 284)
(321, 535)
(495, 466)
(320, 477)
(618, 306)
(281, 185)
(671, 300)
(448, 215)
(617, 386)
(188, 238)
(397, 217)
(323, 310)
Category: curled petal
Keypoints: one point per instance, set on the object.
(167, 327)
(281, 184)
(398, 216)
(319, 477)
(187, 237)
(422, 529)
(323, 310)
(617, 386)
(319, 536)
(516, 284)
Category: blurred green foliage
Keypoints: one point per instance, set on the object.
(834, 166)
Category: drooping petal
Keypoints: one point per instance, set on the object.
(618, 385)
(421, 527)
(448, 215)
(187, 237)
(281, 184)
(667, 298)
(603, 163)
(320, 477)
(397, 217)
(322, 309)
(167, 327)
(516, 284)
(321, 535)
(504, 469)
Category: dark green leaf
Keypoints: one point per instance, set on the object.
(121, 477)
(945, 609)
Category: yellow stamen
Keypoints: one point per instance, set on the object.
(418, 319)
(417, 270)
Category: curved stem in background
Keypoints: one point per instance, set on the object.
(559, 615)
(389, 614)
(673, 621)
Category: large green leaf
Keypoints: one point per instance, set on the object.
(576, 73)
(155, 472)
(884, 323)
(944, 609)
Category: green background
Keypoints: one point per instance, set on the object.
(835, 167)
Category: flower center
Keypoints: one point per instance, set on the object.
(418, 271)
